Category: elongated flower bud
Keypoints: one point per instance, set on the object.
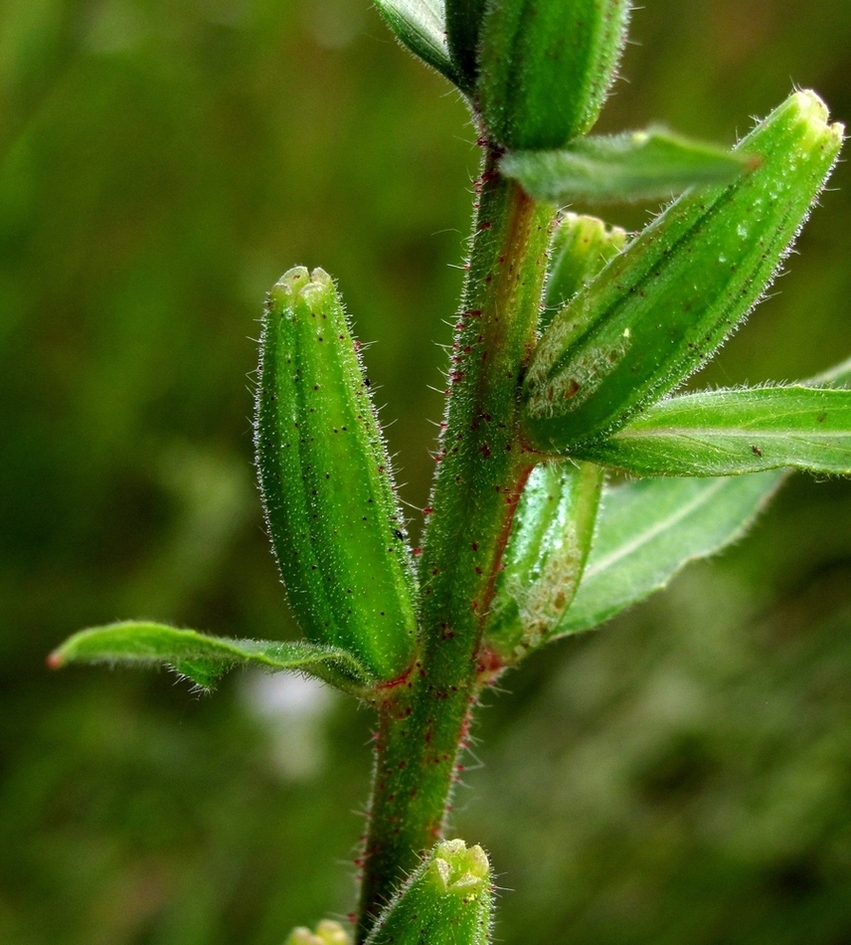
(335, 525)
(545, 68)
(660, 308)
(447, 901)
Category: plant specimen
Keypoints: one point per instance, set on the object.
(570, 339)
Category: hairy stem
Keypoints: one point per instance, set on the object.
(423, 721)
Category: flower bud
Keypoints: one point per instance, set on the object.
(661, 307)
(545, 68)
(448, 900)
(336, 527)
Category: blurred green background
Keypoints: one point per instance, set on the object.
(683, 775)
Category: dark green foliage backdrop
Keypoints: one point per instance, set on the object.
(682, 776)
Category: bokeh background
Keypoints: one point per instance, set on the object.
(683, 775)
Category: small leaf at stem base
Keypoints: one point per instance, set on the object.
(205, 659)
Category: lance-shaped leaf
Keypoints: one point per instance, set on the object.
(205, 659)
(420, 26)
(581, 246)
(638, 165)
(448, 900)
(550, 537)
(725, 433)
(651, 529)
(661, 307)
(545, 68)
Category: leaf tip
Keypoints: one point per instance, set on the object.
(55, 660)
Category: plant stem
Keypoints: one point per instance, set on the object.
(482, 466)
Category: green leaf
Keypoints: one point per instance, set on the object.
(649, 530)
(637, 165)
(206, 659)
(447, 900)
(725, 433)
(420, 26)
(659, 309)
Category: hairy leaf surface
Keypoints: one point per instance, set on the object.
(649, 530)
(205, 659)
(726, 433)
(637, 165)
(420, 26)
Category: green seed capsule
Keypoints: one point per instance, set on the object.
(447, 901)
(550, 540)
(660, 308)
(546, 66)
(335, 525)
(554, 523)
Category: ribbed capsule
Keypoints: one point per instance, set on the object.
(543, 562)
(545, 68)
(661, 307)
(331, 511)
(554, 523)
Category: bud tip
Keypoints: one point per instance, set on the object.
(459, 869)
